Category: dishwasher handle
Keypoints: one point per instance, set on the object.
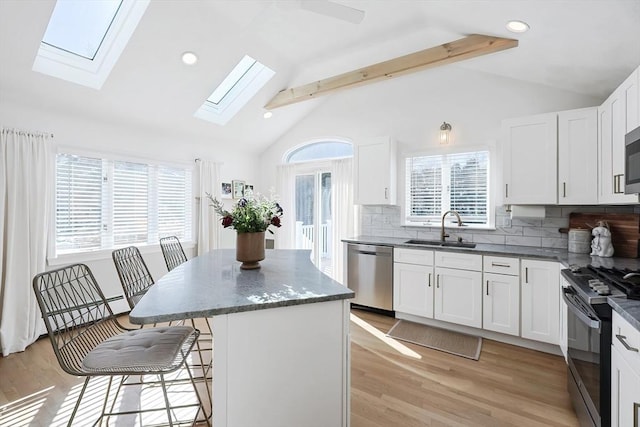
(371, 250)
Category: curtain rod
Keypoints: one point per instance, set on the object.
(26, 132)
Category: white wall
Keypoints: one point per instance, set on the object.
(88, 134)
(411, 109)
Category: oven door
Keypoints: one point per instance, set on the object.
(584, 357)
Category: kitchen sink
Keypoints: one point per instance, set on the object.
(439, 243)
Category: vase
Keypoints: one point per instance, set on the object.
(250, 249)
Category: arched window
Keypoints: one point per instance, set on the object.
(319, 150)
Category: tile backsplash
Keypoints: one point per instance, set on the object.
(385, 221)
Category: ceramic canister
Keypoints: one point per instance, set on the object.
(579, 240)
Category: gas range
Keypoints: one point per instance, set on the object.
(595, 284)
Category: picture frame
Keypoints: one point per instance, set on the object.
(248, 189)
(225, 190)
(237, 188)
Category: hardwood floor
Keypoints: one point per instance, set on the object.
(392, 384)
(409, 385)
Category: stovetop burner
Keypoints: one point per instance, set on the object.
(594, 284)
(628, 281)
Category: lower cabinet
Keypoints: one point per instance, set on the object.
(458, 296)
(625, 373)
(625, 392)
(501, 303)
(540, 300)
(413, 289)
(413, 281)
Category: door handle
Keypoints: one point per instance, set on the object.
(526, 275)
(429, 283)
(623, 340)
(438, 281)
(564, 189)
(487, 287)
(386, 193)
(506, 191)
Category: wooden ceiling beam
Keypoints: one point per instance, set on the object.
(447, 53)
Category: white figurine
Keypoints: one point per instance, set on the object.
(601, 243)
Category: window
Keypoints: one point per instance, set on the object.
(240, 85)
(321, 150)
(84, 39)
(102, 204)
(436, 184)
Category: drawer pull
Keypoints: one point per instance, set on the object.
(499, 264)
(622, 339)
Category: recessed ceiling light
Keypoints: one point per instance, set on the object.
(517, 26)
(189, 58)
(268, 115)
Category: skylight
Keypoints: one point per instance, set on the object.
(84, 39)
(89, 21)
(240, 85)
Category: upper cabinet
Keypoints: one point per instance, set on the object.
(619, 114)
(530, 160)
(578, 157)
(375, 172)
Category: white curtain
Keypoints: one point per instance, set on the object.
(286, 189)
(26, 196)
(342, 211)
(208, 226)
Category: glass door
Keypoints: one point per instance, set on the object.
(313, 218)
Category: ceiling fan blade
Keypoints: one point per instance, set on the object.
(334, 10)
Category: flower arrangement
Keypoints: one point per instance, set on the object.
(250, 214)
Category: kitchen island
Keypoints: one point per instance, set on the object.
(281, 333)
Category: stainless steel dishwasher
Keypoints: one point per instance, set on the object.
(370, 275)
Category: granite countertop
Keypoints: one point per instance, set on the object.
(213, 284)
(628, 309)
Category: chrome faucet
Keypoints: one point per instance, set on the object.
(444, 235)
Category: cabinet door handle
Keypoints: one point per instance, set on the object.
(526, 275)
(506, 191)
(487, 287)
(636, 410)
(438, 281)
(386, 193)
(429, 283)
(617, 179)
(622, 339)
(564, 189)
(499, 264)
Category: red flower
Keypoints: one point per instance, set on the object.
(275, 221)
(227, 221)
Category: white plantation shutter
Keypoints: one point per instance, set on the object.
(102, 204)
(78, 202)
(424, 179)
(130, 203)
(174, 202)
(469, 186)
(436, 184)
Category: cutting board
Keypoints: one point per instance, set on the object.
(625, 230)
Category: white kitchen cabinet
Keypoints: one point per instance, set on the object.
(578, 157)
(501, 295)
(413, 289)
(619, 114)
(413, 281)
(530, 156)
(625, 373)
(540, 300)
(458, 292)
(375, 172)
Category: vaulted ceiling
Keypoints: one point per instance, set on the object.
(584, 46)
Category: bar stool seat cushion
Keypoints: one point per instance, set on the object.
(141, 350)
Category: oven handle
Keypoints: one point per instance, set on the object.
(593, 324)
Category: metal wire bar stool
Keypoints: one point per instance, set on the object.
(172, 252)
(89, 341)
(174, 256)
(136, 279)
